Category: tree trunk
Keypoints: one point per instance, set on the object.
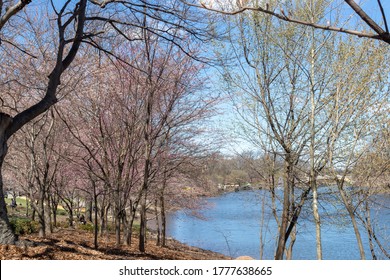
(293, 235)
(95, 220)
(7, 236)
(369, 229)
(103, 219)
(349, 207)
(293, 238)
(33, 213)
(313, 173)
(48, 216)
(158, 242)
(54, 207)
(27, 207)
(316, 215)
(129, 225)
(142, 229)
(126, 229)
(41, 214)
(71, 221)
(128, 232)
(262, 227)
(8, 125)
(89, 210)
(117, 231)
(163, 221)
(285, 213)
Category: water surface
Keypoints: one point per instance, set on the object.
(232, 223)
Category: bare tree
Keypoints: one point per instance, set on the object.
(92, 23)
(295, 117)
(289, 11)
(69, 43)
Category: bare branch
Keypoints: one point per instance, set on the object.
(366, 18)
(381, 35)
(383, 16)
(11, 11)
(54, 78)
(19, 48)
(110, 54)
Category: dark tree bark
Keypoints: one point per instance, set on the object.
(163, 221)
(9, 125)
(157, 217)
(285, 213)
(89, 210)
(6, 233)
(143, 223)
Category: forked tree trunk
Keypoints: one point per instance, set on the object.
(289, 249)
(129, 230)
(129, 224)
(349, 207)
(285, 213)
(7, 236)
(9, 125)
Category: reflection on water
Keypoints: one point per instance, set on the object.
(232, 227)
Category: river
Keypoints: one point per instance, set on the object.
(232, 222)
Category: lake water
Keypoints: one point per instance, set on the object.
(232, 223)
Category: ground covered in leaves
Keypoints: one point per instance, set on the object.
(76, 244)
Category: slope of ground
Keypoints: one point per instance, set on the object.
(76, 244)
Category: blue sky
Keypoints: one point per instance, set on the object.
(229, 120)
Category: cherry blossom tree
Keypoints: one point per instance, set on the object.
(83, 22)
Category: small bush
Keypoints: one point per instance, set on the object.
(61, 212)
(87, 227)
(23, 226)
(63, 224)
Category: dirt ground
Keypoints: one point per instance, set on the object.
(76, 244)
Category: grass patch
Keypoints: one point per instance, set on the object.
(61, 212)
(136, 227)
(87, 227)
(20, 201)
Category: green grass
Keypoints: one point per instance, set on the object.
(136, 226)
(61, 212)
(21, 202)
(22, 205)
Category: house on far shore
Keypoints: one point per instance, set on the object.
(234, 187)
